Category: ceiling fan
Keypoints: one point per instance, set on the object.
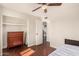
(45, 5)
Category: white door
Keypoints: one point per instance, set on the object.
(39, 39)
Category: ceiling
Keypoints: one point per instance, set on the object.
(28, 7)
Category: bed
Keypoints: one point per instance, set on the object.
(70, 48)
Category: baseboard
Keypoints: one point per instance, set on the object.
(4, 47)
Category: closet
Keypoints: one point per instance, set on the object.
(13, 31)
(30, 27)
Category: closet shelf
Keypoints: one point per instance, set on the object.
(13, 24)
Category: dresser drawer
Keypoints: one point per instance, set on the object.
(14, 39)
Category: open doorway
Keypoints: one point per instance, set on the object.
(44, 32)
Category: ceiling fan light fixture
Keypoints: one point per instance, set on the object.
(44, 7)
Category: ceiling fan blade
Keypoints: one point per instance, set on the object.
(36, 9)
(45, 10)
(42, 3)
(54, 4)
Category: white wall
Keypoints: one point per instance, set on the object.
(1, 8)
(64, 24)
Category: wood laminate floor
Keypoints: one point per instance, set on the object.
(40, 50)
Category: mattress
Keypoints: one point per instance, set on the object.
(66, 50)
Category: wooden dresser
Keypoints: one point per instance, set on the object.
(14, 39)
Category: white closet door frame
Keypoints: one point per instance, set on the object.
(1, 43)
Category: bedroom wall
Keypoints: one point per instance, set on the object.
(64, 24)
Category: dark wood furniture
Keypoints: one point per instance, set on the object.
(14, 39)
(72, 42)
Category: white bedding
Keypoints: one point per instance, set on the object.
(66, 50)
